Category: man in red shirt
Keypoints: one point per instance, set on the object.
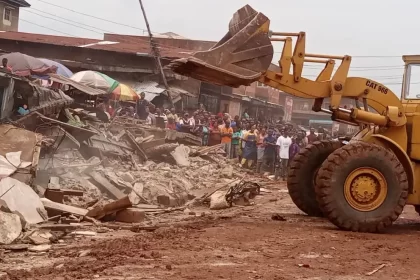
(312, 136)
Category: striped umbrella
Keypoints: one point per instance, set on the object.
(96, 80)
(124, 93)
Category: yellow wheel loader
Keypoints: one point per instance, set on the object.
(362, 185)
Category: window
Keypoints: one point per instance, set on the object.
(412, 81)
(226, 108)
(259, 84)
(7, 15)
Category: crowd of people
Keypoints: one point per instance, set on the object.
(259, 144)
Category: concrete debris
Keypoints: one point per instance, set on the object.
(40, 237)
(136, 195)
(218, 201)
(63, 208)
(84, 233)
(84, 253)
(227, 172)
(130, 215)
(10, 228)
(6, 168)
(21, 199)
(126, 176)
(106, 186)
(181, 155)
(40, 248)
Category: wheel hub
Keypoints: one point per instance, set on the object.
(365, 189)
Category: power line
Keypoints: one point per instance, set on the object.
(169, 47)
(46, 27)
(64, 22)
(92, 16)
(70, 20)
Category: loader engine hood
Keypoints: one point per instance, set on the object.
(239, 58)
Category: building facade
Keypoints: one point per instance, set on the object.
(10, 14)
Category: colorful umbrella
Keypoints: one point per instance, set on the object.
(124, 93)
(26, 65)
(96, 80)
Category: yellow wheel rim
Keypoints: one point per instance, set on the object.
(365, 189)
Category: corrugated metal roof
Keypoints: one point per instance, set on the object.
(147, 86)
(142, 47)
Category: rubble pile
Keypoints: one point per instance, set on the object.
(69, 177)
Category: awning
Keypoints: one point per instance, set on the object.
(149, 96)
(233, 95)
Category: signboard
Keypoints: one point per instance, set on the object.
(288, 108)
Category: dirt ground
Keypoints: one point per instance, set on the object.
(237, 243)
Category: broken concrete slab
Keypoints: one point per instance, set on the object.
(106, 186)
(181, 155)
(130, 215)
(6, 168)
(128, 177)
(136, 195)
(37, 240)
(21, 199)
(54, 183)
(40, 237)
(218, 200)
(63, 208)
(10, 228)
(40, 248)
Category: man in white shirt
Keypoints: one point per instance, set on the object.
(283, 144)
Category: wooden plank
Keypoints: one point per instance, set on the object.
(132, 139)
(101, 211)
(48, 204)
(106, 185)
(72, 192)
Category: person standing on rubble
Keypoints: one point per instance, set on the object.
(250, 151)
(312, 137)
(270, 149)
(143, 107)
(186, 123)
(176, 118)
(260, 147)
(283, 144)
(236, 141)
(293, 149)
(226, 133)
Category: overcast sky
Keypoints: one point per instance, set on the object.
(358, 28)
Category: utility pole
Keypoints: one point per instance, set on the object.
(156, 53)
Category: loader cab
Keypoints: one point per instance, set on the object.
(410, 95)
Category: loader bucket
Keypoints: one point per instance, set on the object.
(243, 54)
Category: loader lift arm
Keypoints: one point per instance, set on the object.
(244, 55)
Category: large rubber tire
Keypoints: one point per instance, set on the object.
(302, 171)
(331, 179)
